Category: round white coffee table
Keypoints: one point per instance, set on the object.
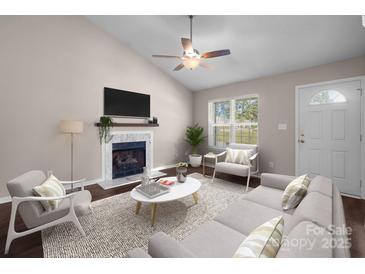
(177, 191)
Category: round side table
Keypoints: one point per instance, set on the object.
(209, 155)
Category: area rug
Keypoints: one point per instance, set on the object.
(112, 229)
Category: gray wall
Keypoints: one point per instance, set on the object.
(276, 105)
(55, 67)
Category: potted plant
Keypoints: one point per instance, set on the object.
(194, 136)
(104, 129)
(181, 171)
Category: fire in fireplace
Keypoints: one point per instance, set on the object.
(128, 158)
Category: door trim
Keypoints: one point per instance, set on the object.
(362, 121)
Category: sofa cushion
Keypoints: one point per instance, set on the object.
(162, 245)
(341, 233)
(244, 216)
(276, 180)
(264, 241)
(295, 192)
(213, 240)
(306, 240)
(316, 208)
(267, 196)
(322, 185)
(138, 253)
(231, 168)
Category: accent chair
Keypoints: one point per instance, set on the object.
(34, 216)
(238, 169)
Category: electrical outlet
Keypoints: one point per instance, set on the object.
(271, 164)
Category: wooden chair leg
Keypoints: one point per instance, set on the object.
(138, 207)
(196, 197)
(153, 214)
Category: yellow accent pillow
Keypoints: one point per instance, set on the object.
(264, 241)
(295, 192)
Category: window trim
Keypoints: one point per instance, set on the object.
(245, 96)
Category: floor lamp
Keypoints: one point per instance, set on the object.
(71, 127)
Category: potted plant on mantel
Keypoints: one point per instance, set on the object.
(106, 123)
(194, 136)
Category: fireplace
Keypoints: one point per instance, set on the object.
(124, 157)
(128, 158)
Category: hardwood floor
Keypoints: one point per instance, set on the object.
(31, 245)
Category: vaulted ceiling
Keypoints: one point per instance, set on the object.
(260, 45)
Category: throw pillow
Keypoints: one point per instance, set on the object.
(264, 241)
(52, 187)
(295, 192)
(238, 156)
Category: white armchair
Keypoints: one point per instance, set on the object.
(73, 183)
(31, 211)
(238, 169)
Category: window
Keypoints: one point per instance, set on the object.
(233, 121)
(327, 97)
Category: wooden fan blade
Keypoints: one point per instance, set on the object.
(216, 53)
(166, 56)
(186, 44)
(205, 65)
(179, 66)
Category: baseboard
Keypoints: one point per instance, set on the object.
(352, 196)
(4, 200)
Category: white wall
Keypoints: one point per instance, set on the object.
(276, 105)
(55, 67)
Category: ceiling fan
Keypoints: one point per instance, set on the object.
(191, 58)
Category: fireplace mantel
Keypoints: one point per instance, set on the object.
(130, 125)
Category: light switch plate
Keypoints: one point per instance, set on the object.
(282, 127)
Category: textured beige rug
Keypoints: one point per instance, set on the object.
(113, 228)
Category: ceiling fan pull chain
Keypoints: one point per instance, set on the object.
(191, 28)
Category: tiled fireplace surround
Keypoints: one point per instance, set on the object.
(107, 161)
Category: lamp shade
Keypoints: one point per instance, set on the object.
(70, 126)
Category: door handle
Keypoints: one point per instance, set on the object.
(301, 141)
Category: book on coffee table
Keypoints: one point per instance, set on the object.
(152, 190)
(165, 182)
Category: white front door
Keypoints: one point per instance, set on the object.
(329, 133)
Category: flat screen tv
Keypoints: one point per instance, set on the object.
(126, 103)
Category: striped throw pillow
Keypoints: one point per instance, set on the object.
(238, 156)
(295, 192)
(52, 187)
(264, 241)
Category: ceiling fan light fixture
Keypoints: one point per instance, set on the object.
(191, 58)
(191, 63)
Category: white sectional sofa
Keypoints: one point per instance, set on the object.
(316, 228)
